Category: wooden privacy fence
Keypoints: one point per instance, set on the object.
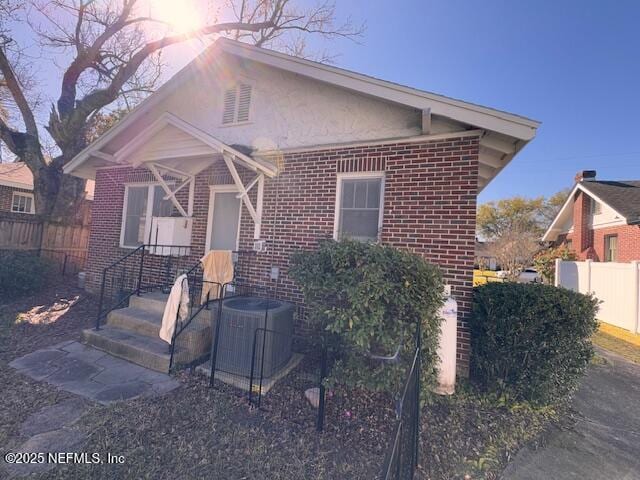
(65, 245)
(616, 285)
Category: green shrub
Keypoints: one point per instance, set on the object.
(368, 298)
(22, 273)
(530, 341)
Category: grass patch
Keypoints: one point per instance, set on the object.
(472, 435)
(617, 345)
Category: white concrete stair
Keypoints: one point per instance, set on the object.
(132, 333)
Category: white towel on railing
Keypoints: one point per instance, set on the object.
(177, 307)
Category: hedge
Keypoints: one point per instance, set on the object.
(530, 341)
(22, 273)
(369, 298)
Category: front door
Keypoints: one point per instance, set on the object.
(224, 218)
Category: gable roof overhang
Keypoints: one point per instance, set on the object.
(209, 146)
(567, 209)
(503, 134)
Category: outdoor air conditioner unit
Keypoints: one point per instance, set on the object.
(170, 236)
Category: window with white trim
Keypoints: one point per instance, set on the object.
(141, 203)
(595, 207)
(236, 104)
(359, 207)
(22, 203)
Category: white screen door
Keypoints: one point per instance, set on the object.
(225, 220)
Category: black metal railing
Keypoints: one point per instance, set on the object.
(144, 269)
(193, 335)
(402, 458)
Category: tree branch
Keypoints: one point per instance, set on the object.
(13, 85)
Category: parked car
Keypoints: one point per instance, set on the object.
(528, 275)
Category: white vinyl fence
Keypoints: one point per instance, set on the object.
(616, 285)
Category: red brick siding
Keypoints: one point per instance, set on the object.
(628, 242)
(429, 208)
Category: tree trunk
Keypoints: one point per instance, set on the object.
(58, 196)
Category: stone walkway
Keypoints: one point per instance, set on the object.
(604, 444)
(93, 375)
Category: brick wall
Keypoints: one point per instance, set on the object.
(628, 242)
(429, 208)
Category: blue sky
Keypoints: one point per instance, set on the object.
(572, 64)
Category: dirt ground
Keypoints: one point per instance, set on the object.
(197, 432)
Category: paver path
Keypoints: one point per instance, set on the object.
(604, 444)
(93, 375)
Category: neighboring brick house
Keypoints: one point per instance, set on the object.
(254, 149)
(16, 194)
(600, 220)
(16, 190)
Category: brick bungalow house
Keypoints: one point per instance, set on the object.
(253, 149)
(600, 220)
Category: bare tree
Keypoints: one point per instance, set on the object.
(514, 251)
(111, 56)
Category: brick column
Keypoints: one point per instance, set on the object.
(582, 238)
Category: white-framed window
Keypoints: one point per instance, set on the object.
(141, 202)
(236, 104)
(595, 207)
(23, 203)
(359, 206)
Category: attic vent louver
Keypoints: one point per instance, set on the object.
(244, 102)
(229, 106)
(236, 104)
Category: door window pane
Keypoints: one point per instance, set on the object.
(135, 216)
(226, 215)
(360, 209)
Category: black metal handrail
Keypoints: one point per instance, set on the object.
(129, 285)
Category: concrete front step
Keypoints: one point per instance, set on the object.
(153, 302)
(136, 320)
(147, 351)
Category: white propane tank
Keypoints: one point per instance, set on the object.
(447, 346)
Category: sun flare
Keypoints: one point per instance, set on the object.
(181, 15)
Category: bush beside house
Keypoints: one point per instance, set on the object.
(531, 342)
(368, 298)
(22, 273)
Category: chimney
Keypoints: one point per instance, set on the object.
(585, 176)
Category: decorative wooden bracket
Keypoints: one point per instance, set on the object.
(255, 213)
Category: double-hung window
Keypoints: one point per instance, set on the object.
(22, 203)
(610, 248)
(141, 203)
(359, 206)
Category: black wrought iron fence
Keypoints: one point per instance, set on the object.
(402, 457)
(67, 262)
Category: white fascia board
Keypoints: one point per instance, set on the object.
(483, 117)
(553, 230)
(12, 184)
